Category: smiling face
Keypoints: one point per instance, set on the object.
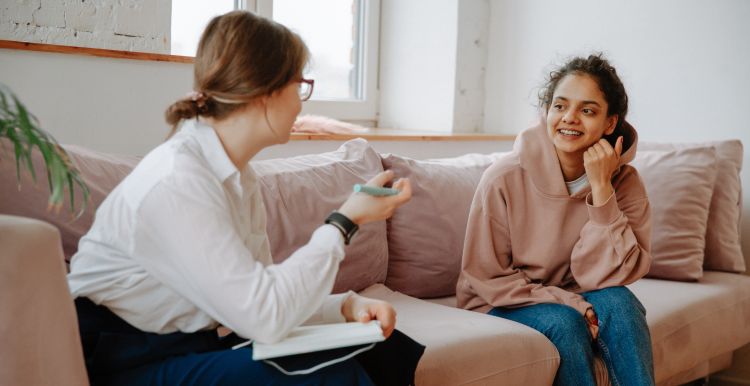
(577, 117)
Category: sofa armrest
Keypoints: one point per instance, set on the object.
(41, 344)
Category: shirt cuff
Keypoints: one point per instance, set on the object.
(605, 214)
(332, 308)
(328, 237)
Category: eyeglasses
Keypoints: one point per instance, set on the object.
(305, 88)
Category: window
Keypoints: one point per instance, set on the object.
(189, 20)
(333, 44)
(342, 36)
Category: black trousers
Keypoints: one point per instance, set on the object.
(117, 353)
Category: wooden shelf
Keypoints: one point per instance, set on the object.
(382, 134)
(14, 45)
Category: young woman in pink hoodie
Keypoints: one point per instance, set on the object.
(558, 228)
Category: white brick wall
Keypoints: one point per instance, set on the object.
(127, 25)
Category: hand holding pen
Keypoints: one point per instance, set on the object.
(368, 204)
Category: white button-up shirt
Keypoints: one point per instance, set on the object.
(181, 245)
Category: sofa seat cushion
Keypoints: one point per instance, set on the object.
(469, 348)
(691, 323)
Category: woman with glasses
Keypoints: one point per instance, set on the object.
(180, 246)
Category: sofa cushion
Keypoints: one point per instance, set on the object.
(469, 348)
(691, 323)
(723, 251)
(679, 184)
(300, 192)
(101, 172)
(425, 256)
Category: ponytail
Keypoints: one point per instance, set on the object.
(241, 56)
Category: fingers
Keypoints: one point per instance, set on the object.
(381, 178)
(384, 313)
(364, 316)
(404, 185)
(594, 330)
(618, 147)
(592, 322)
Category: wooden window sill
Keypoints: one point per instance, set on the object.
(382, 134)
(14, 45)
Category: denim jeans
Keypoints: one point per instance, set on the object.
(624, 340)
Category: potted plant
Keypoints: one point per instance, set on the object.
(23, 131)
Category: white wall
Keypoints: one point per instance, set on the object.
(106, 104)
(685, 65)
(117, 105)
(127, 25)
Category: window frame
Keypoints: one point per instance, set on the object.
(363, 111)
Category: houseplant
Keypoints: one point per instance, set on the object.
(22, 130)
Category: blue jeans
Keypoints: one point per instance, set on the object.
(624, 340)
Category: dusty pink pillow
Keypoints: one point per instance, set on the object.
(679, 184)
(426, 235)
(101, 172)
(723, 251)
(300, 192)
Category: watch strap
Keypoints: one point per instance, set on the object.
(347, 227)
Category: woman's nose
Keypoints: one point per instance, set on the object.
(570, 117)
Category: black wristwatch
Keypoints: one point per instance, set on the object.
(346, 226)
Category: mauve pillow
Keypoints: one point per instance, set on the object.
(426, 235)
(300, 192)
(679, 184)
(101, 172)
(723, 251)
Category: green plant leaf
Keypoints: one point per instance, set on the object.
(23, 131)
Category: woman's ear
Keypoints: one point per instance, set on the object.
(611, 124)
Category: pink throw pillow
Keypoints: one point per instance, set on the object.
(723, 251)
(679, 184)
(300, 192)
(426, 235)
(101, 172)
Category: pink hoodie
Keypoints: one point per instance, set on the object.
(529, 242)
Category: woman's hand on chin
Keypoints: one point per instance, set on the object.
(600, 161)
(361, 309)
(364, 208)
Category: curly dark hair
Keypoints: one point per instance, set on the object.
(605, 76)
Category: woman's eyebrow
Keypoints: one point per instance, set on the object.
(583, 102)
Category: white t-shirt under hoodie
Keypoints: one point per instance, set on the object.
(577, 184)
(181, 245)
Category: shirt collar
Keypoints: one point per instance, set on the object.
(212, 148)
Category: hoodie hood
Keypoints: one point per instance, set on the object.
(538, 157)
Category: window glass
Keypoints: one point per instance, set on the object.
(330, 30)
(189, 20)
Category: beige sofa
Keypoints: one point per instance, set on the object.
(695, 326)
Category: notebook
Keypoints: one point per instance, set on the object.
(306, 339)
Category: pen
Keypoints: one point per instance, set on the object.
(375, 191)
